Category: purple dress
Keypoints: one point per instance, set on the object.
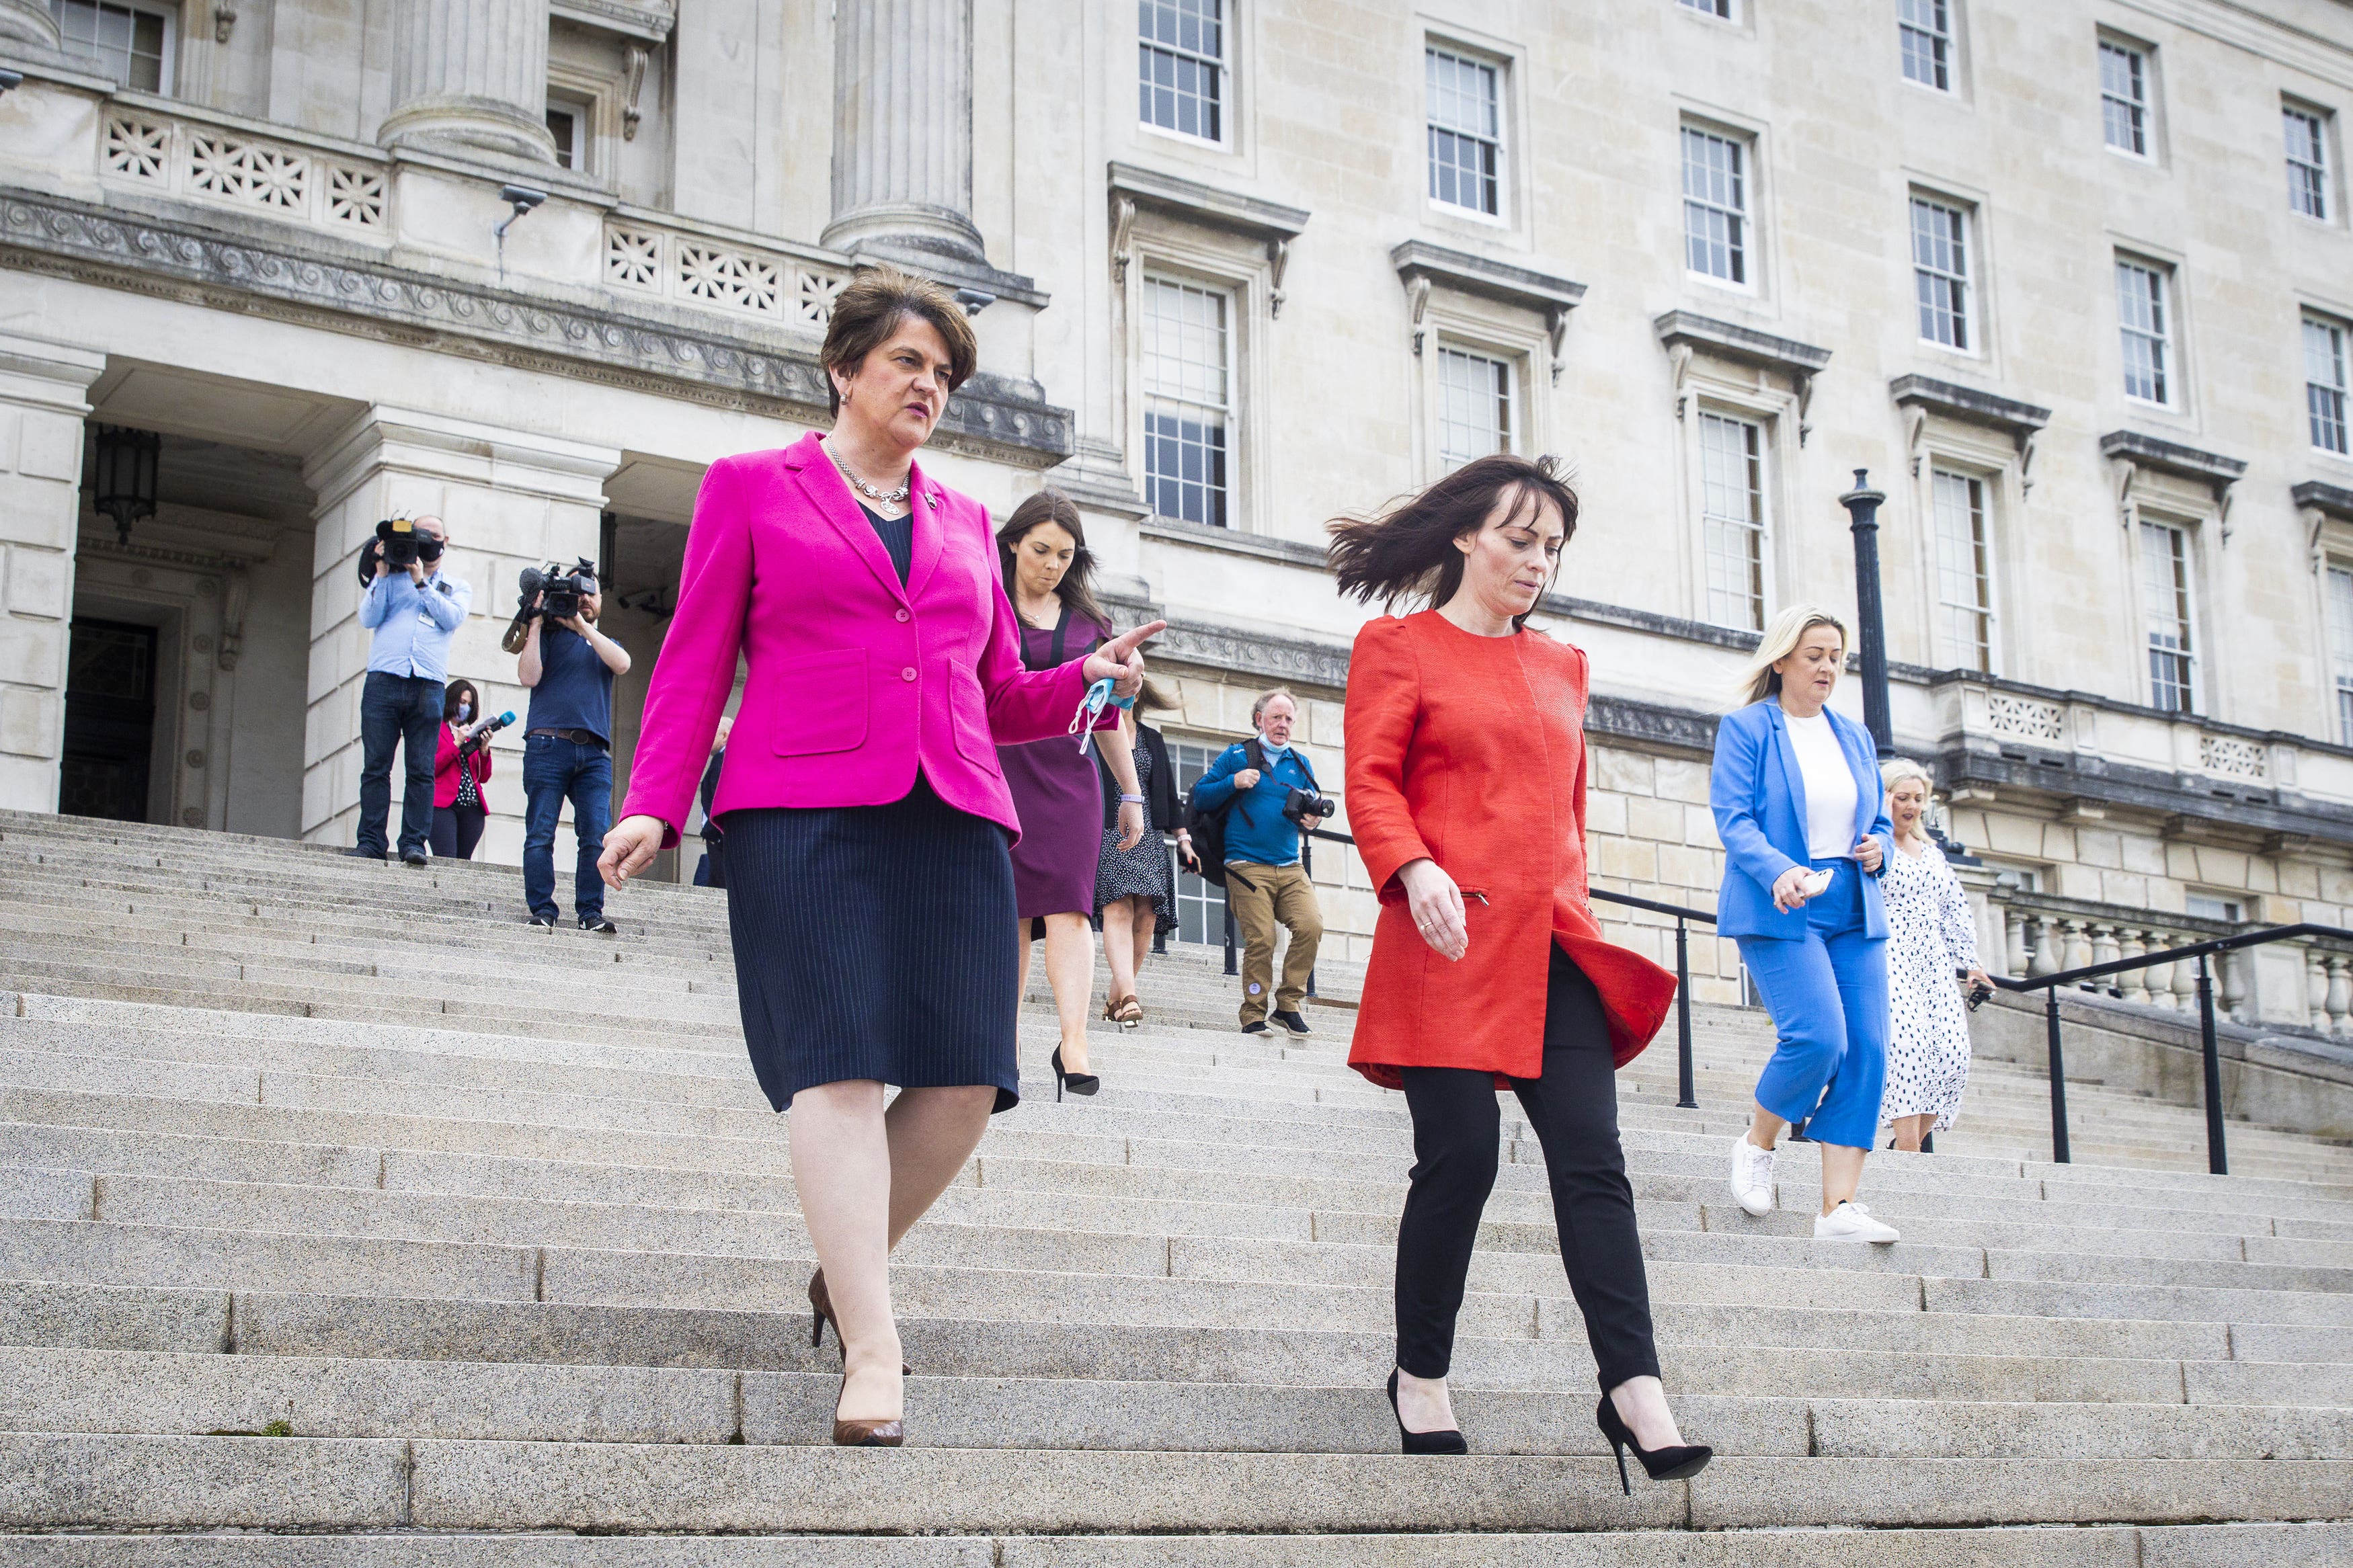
(1056, 792)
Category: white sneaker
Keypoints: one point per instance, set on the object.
(1852, 1222)
(1752, 1177)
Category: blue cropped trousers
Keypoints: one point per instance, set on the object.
(1827, 994)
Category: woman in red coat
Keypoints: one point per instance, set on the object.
(1466, 796)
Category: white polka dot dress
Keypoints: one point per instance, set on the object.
(1929, 936)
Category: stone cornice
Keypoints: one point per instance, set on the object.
(1289, 552)
(1730, 340)
(2171, 458)
(1967, 403)
(1210, 205)
(651, 20)
(300, 280)
(1543, 292)
(2332, 500)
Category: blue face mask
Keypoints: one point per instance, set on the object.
(465, 711)
(1273, 752)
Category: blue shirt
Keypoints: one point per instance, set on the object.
(575, 686)
(1257, 832)
(413, 625)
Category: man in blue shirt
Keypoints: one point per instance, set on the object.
(1266, 885)
(414, 611)
(569, 667)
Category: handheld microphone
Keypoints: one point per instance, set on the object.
(481, 737)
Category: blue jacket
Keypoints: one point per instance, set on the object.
(1256, 830)
(1760, 801)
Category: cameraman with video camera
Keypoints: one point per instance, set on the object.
(414, 607)
(568, 665)
(1267, 795)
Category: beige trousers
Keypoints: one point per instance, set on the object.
(1263, 897)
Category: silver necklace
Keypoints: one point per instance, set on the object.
(888, 498)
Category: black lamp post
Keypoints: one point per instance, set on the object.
(1863, 507)
(125, 487)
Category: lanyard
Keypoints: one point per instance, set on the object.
(1091, 707)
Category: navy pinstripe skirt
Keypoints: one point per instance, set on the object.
(874, 941)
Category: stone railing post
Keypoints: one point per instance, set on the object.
(2131, 943)
(469, 78)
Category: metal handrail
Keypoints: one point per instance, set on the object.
(2217, 1154)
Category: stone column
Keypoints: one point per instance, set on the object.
(44, 398)
(27, 24)
(903, 129)
(511, 498)
(469, 78)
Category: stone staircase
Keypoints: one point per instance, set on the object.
(346, 1220)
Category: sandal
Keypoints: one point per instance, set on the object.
(1126, 1012)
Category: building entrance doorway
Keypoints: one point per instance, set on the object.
(109, 720)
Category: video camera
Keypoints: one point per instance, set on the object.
(1301, 804)
(481, 738)
(399, 546)
(559, 589)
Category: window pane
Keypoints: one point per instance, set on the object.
(1715, 206)
(2140, 311)
(127, 42)
(2307, 164)
(2166, 604)
(1963, 573)
(1465, 115)
(1474, 405)
(1732, 520)
(2324, 387)
(2124, 98)
(1180, 66)
(1924, 29)
(1941, 272)
(1186, 385)
(1712, 7)
(1200, 904)
(2341, 648)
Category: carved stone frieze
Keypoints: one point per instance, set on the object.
(990, 415)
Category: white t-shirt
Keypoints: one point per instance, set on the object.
(1830, 787)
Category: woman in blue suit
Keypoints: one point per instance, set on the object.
(1795, 789)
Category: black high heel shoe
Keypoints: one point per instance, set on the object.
(1447, 1442)
(1076, 1082)
(1671, 1463)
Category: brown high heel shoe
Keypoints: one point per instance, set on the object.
(868, 1434)
(821, 1308)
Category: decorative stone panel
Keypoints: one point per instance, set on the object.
(254, 174)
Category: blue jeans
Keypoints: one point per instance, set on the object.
(555, 769)
(403, 711)
(1827, 995)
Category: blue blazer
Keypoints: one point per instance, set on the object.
(1759, 800)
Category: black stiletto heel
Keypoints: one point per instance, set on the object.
(1448, 1442)
(1671, 1463)
(1076, 1082)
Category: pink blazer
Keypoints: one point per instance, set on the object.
(853, 680)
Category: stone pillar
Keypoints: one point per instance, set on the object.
(27, 24)
(511, 498)
(44, 398)
(903, 129)
(469, 78)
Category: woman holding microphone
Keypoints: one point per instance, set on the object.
(1466, 794)
(870, 892)
(1795, 790)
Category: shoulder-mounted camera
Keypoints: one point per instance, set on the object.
(558, 591)
(398, 545)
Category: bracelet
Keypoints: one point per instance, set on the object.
(1131, 800)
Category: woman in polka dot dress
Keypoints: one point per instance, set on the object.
(1931, 938)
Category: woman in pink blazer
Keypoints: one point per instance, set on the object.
(870, 892)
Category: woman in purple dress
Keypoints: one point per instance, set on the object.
(1049, 576)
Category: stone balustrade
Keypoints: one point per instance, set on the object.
(696, 265)
(2298, 984)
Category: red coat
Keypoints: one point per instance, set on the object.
(445, 769)
(1470, 750)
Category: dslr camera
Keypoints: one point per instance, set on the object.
(399, 546)
(1306, 809)
(559, 589)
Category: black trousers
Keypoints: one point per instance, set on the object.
(457, 829)
(1457, 1130)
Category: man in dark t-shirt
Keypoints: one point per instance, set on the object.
(569, 667)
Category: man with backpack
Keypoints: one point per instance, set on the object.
(1245, 816)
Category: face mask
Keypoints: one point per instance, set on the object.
(465, 711)
(1271, 749)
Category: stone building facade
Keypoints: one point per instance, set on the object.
(2072, 280)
